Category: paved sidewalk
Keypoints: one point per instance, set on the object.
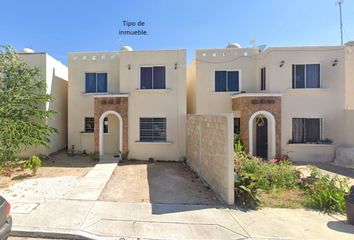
(78, 215)
(112, 220)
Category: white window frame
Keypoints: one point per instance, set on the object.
(152, 72)
(96, 83)
(227, 70)
(321, 83)
(308, 117)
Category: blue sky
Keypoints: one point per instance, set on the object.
(62, 26)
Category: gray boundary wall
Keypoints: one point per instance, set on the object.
(210, 151)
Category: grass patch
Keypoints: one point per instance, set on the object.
(294, 198)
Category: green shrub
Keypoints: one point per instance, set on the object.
(238, 145)
(253, 175)
(278, 176)
(246, 192)
(33, 163)
(326, 193)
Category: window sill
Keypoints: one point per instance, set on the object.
(154, 143)
(308, 90)
(311, 144)
(153, 90)
(96, 93)
(86, 133)
(90, 133)
(227, 93)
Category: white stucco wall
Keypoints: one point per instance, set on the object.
(56, 75)
(203, 70)
(327, 102)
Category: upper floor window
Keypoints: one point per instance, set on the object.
(227, 81)
(153, 129)
(153, 77)
(306, 130)
(263, 79)
(306, 76)
(96, 82)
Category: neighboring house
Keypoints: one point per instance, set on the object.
(286, 100)
(56, 76)
(128, 101)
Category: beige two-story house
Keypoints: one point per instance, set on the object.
(128, 102)
(285, 100)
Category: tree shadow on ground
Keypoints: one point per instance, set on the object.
(64, 160)
(22, 176)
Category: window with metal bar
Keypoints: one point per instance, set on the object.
(152, 129)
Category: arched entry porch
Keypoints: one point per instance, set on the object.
(262, 110)
(261, 130)
(117, 141)
(114, 107)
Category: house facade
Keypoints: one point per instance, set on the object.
(287, 100)
(128, 102)
(55, 74)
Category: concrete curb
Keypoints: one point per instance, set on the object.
(60, 234)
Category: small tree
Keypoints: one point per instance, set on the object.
(23, 99)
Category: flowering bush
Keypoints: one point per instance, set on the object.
(254, 174)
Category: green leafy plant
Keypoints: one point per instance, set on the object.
(33, 163)
(246, 192)
(23, 98)
(325, 141)
(238, 145)
(326, 193)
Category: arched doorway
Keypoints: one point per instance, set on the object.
(116, 126)
(261, 128)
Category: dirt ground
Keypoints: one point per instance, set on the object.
(58, 164)
(157, 182)
(288, 199)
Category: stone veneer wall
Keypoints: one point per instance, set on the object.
(210, 151)
(249, 105)
(118, 104)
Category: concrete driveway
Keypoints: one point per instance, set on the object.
(157, 182)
